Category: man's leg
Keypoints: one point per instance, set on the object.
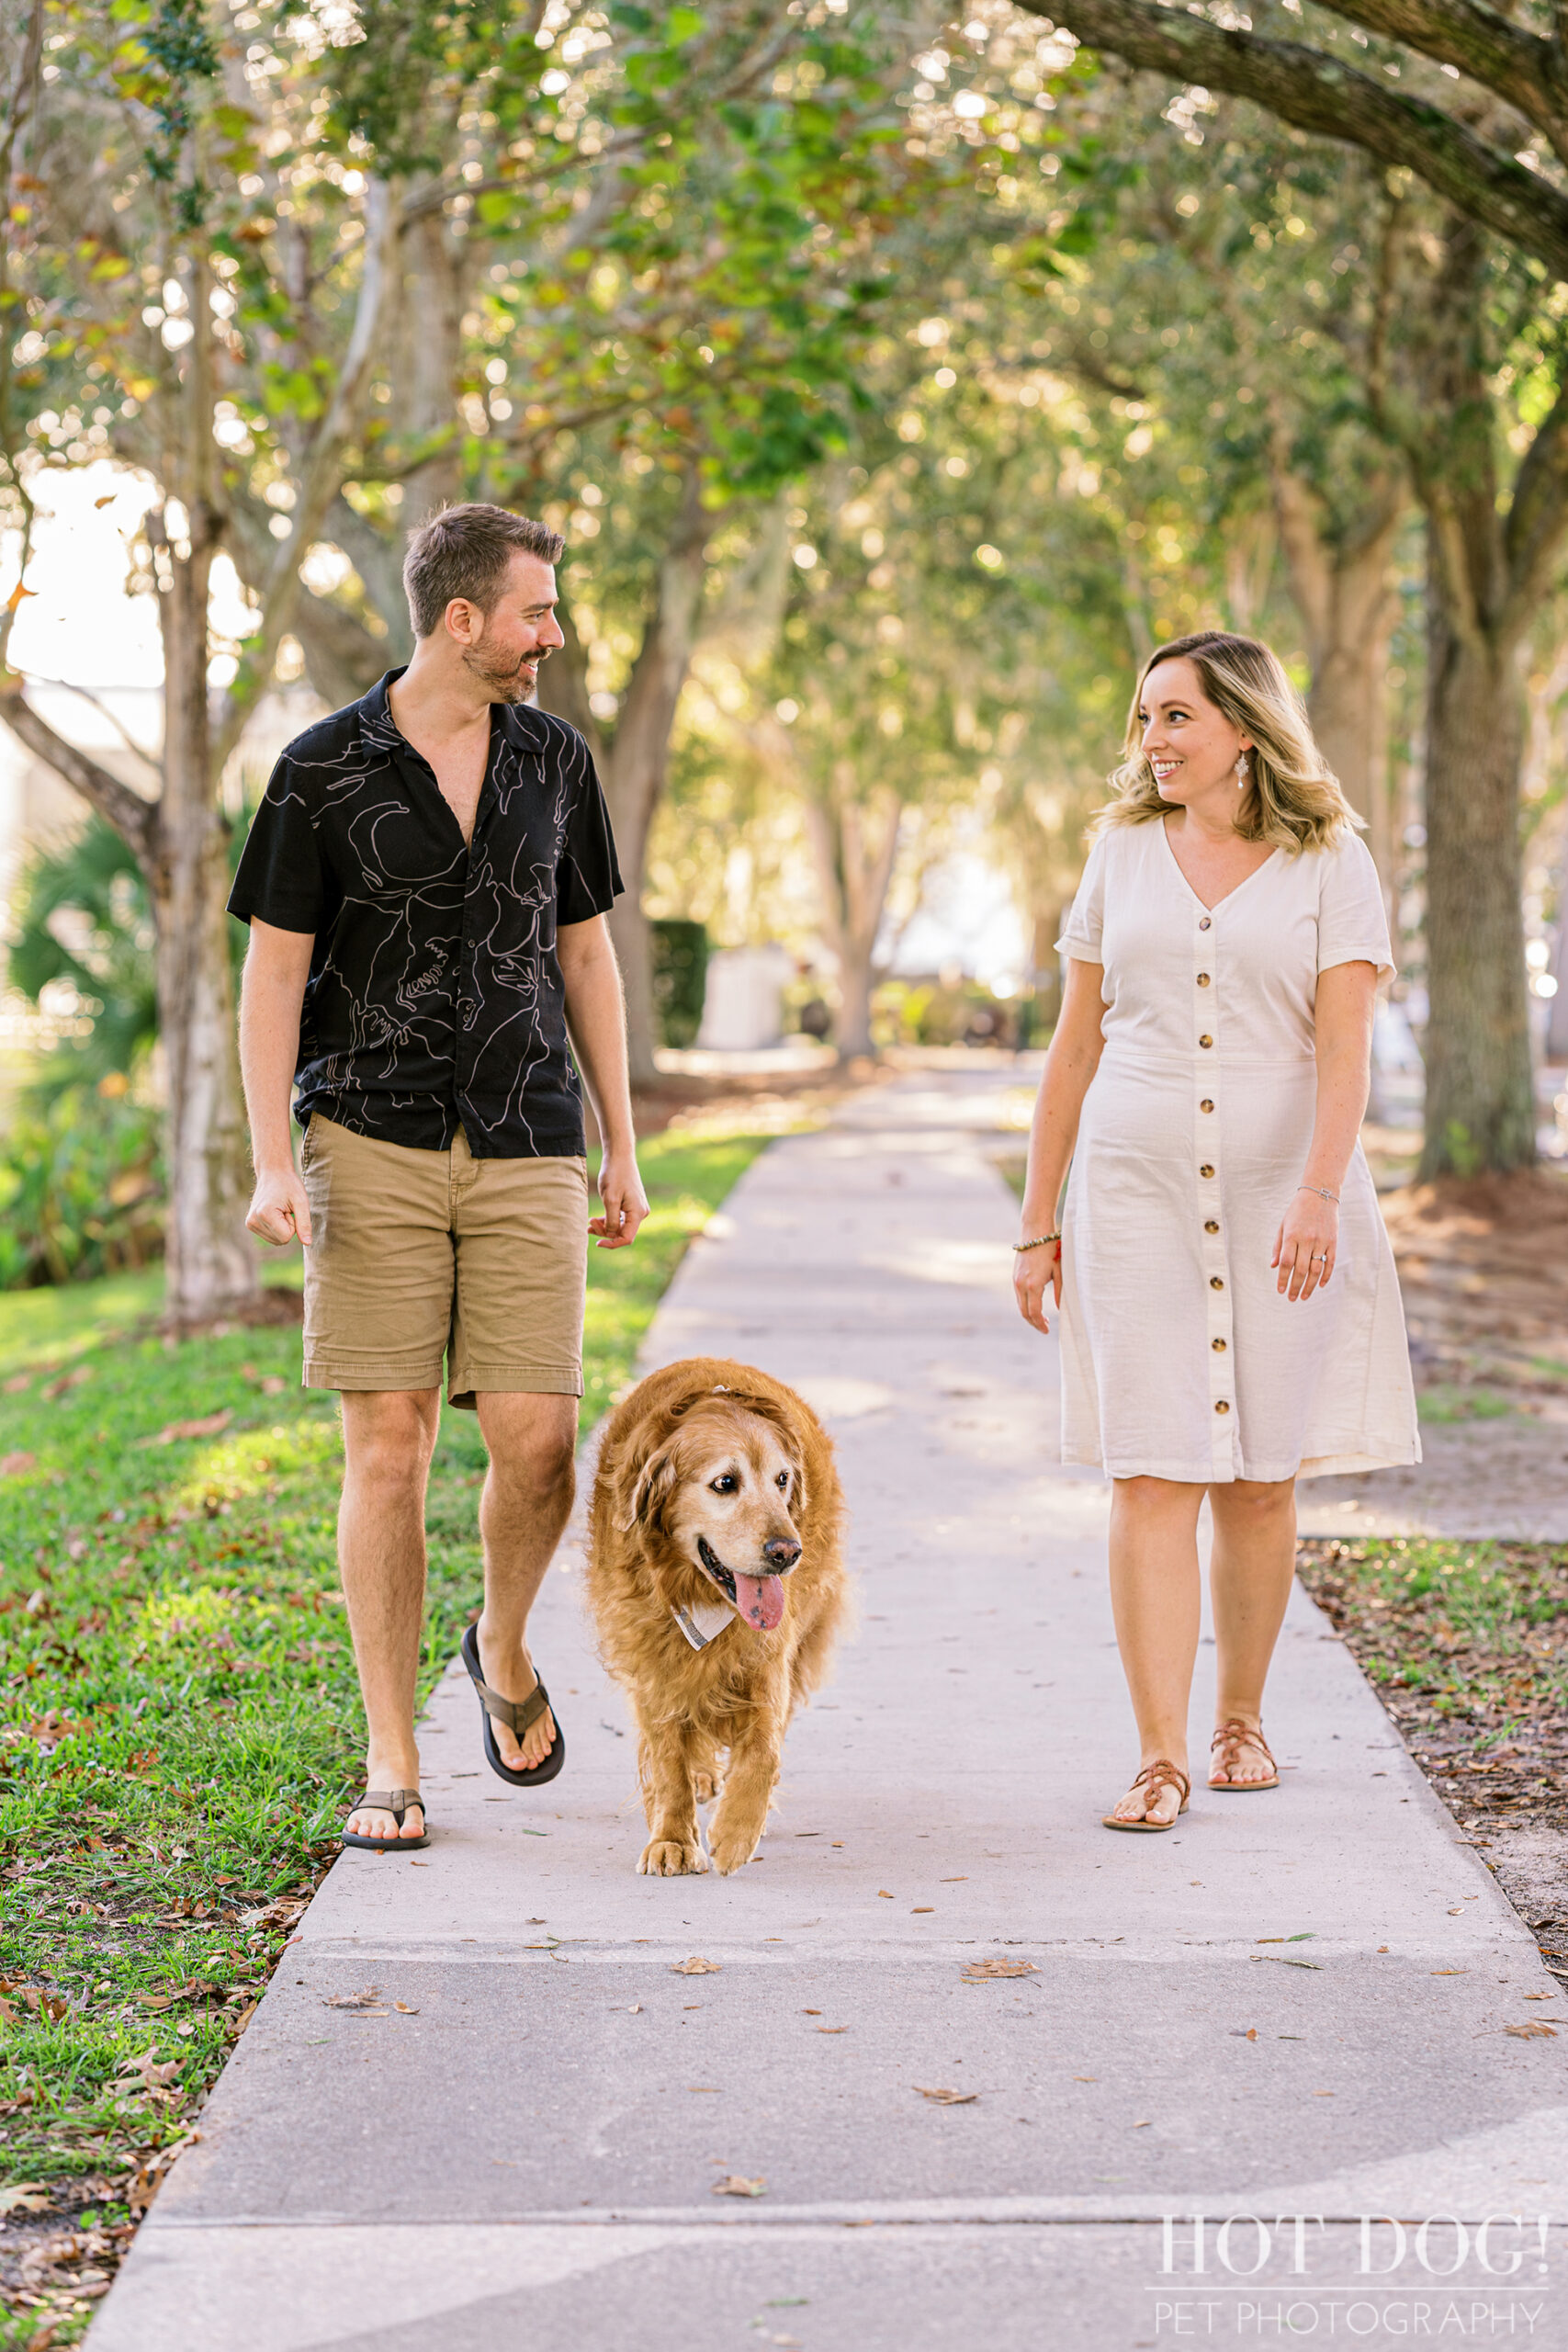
(389, 1436)
(527, 1502)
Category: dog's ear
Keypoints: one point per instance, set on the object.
(644, 1489)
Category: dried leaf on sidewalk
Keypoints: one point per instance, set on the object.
(735, 2184)
(695, 1966)
(979, 1971)
(1535, 2029)
(366, 1999)
(833, 2029)
(943, 2098)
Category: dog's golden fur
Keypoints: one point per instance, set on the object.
(653, 1498)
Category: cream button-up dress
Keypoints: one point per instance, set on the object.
(1179, 1358)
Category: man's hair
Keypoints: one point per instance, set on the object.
(468, 551)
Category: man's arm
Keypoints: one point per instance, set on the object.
(278, 965)
(596, 1017)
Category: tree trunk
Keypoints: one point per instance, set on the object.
(636, 764)
(211, 1264)
(1344, 593)
(855, 870)
(1480, 1088)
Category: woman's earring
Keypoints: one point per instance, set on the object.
(1242, 772)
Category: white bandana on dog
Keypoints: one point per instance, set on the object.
(701, 1624)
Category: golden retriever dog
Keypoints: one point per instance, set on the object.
(717, 1577)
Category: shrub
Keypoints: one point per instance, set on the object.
(680, 978)
(81, 1187)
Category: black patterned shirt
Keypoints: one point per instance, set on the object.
(435, 998)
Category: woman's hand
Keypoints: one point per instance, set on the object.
(1031, 1270)
(1306, 1244)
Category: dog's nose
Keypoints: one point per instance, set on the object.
(780, 1552)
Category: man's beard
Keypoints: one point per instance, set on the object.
(503, 682)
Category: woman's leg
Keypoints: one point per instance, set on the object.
(1250, 1570)
(1155, 1597)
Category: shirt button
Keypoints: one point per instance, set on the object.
(1204, 923)
(1210, 1225)
(1206, 1170)
(1202, 979)
(1205, 1106)
(1221, 1407)
(1215, 1283)
(1206, 1041)
(1218, 1346)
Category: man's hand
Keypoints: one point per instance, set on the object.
(623, 1200)
(279, 1209)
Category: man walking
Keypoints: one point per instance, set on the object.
(426, 882)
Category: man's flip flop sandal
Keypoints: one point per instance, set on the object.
(396, 1802)
(517, 1714)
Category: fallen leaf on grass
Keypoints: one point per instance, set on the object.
(35, 1997)
(695, 1966)
(17, 1382)
(25, 2197)
(940, 2097)
(979, 1971)
(208, 1426)
(54, 1388)
(1534, 2028)
(735, 2184)
(13, 1465)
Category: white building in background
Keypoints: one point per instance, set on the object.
(743, 1010)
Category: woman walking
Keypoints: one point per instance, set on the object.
(1231, 1316)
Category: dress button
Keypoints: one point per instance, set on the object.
(1221, 1407)
(1214, 1282)
(1206, 1041)
(1210, 1225)
(1204, 923)
(1206, 1170)
(1218, 1346)
(1205, 1106)
(1202, 979)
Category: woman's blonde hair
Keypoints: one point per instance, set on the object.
(1294, 799)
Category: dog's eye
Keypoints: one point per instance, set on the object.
(724, 1484)
(782, 1481)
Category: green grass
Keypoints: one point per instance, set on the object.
(179, 1722)
(1477, 1632)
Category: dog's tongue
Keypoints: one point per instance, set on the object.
(760, 1599)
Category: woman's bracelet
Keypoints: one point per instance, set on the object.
(1038, 1243)
(1322, 1191)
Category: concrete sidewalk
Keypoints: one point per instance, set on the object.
(524, 2153)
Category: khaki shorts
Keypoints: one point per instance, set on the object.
(420, 1255)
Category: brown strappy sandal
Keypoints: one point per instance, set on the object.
(1160, 1774)
(1230, 1740)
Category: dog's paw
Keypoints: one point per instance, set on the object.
(668, 1858)
(704, 1787)
(732, 1853)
